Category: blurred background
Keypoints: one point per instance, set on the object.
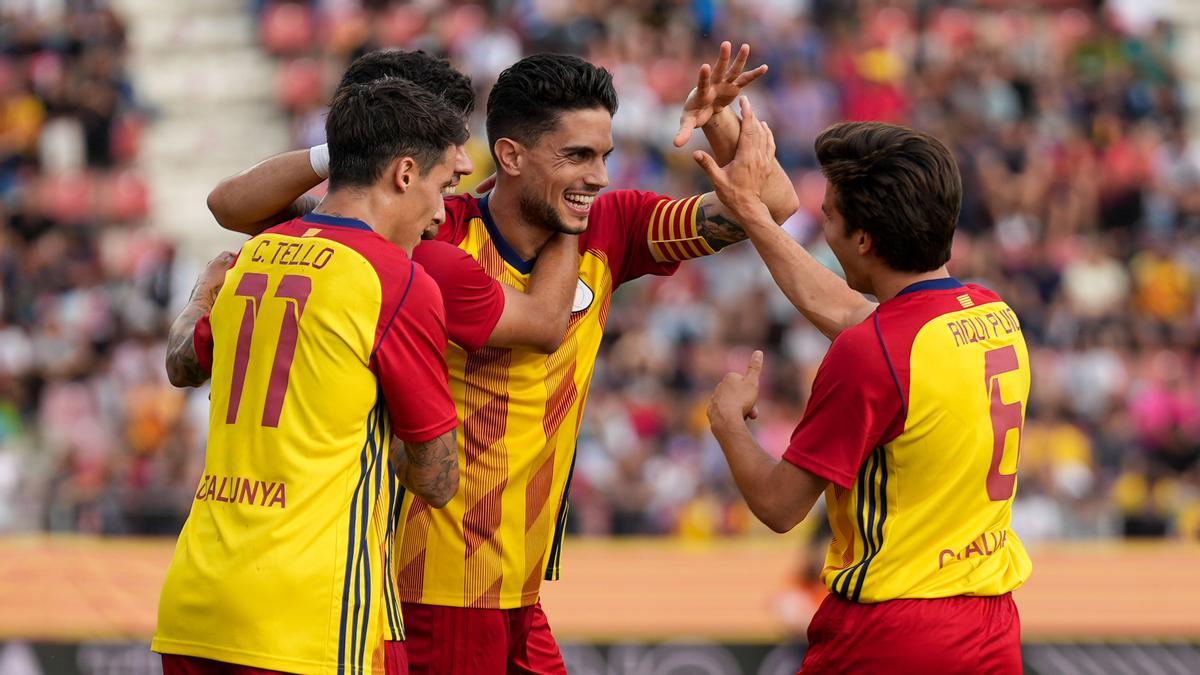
(1074, 123)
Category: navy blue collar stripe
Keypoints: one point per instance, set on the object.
(932, 285)
(322, 219)
(504, 248)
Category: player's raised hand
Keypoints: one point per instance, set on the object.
(736, 396)
(716, 87)
(485, 186)
(739, 183)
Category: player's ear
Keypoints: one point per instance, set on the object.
(404, 172)
(509, 156)
(863, 241)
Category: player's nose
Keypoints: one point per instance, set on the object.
(463, 165)
(597, 177)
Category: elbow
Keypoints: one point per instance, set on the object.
(786, 208)
(780, 521)
(552, 337)
(442, 496)
(218, 202)
(178, 378)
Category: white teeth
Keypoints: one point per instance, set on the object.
(582, 201)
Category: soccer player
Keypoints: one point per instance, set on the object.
(913, 427)
(324, 341)
(470, 574)
(479, 309)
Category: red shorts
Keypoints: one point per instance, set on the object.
(961, 634)
(396, 663)
(467, 641)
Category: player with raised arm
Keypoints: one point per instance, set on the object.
(914, 424)
(479, 309)
(470, 574)
(325, 343)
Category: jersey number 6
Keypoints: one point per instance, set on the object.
(253, 286)
(1005, 417)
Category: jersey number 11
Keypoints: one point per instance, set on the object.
(253, 286)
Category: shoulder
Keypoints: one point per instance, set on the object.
(982, 294)
(617, 204)
(857, 350)
(436, 256)
(460, 209)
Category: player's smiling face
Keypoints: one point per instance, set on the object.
(565, 170)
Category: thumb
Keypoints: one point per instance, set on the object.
(707, 163)
(685, 132)
(755, 367)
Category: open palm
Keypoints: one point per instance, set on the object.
(716, 88)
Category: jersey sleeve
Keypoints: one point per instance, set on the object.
(202, 341)
(459, 211)
(473, 300)
(410, 363)
(655, 232)
(855, 406)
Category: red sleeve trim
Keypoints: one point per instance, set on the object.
(202, 342)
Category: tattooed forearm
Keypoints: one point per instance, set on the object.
(183, 366)
(429, 469)
(717, 228)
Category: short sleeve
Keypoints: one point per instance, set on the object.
(202, 341)
(624, 224)
(410, 363)
(473, 300)
(459, 211)
(855, 406)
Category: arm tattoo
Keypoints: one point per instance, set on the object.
(429, 469)
(183, 365)
(716, 228)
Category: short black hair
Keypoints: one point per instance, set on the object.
(425, 70)
(899, 185)
(370, 125)
(530, 95)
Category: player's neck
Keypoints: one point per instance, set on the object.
(364, 205)
(887, 284)
(525, 238)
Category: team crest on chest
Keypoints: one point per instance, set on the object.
(584, 297)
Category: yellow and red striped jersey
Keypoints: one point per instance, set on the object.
(324, 341)
(520, 410)
(915, 419)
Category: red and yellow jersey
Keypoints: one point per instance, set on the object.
(324, 341)
(520, 410)
(915, 419)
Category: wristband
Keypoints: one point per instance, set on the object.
(318, 157)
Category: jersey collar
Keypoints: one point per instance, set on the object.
(931, 285)
(505, 249)
(323, 219)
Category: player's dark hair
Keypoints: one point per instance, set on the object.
(370, 125)
(530, 95)
(899, 185)
(422, 69)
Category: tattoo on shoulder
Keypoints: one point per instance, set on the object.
(716, 228)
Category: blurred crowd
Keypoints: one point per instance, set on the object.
(1080, 207)
(90, 433)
